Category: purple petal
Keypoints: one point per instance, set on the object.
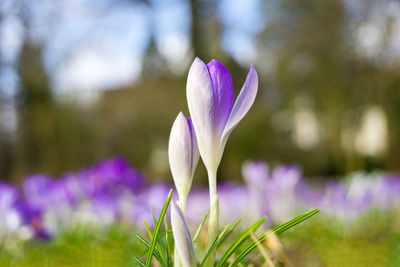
(223, 94)
(243, 103)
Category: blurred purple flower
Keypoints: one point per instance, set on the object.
(256, 177)
(10, 218)
(37, 189)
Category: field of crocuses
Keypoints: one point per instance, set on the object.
(103, 204)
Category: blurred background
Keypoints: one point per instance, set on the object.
(83, 80)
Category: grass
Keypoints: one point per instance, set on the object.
(373, 241)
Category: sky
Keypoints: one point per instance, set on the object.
(94, 45)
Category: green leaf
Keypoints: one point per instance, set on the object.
(214, 244)
(138, 261)
(169, 259)
(229, 233)
(278, 230)
(239, 241)
(147, 245)
(157, 229)
(160, 245)
(200, 228)
(286, 226)
(148, 230)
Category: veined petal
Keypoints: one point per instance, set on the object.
(223, 94)
(183, 240)
(242, 105)
(200, 97)
(180, 154)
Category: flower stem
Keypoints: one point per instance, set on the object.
(214, 214)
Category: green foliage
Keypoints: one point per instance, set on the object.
(278, 230)
(154, 236)
(374, 240)
(236, 244)
(159, 246)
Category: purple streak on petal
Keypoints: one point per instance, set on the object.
(243, 103)
(223, 94)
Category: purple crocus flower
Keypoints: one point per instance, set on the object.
(106, 209)
(117, 171)
(256, 176)
(10, 218)
(209, 93)
(37, 190)
(210, 98)
(32, 218)
(281, 193)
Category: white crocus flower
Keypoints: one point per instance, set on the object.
(183, 156)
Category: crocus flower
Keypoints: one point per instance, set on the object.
(183, 240)
(256, 176)
(210, 97)
(209, 93)
(183, 156)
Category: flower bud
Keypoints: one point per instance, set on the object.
(183, 240)
(183, 155)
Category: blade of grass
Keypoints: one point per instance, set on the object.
(160, 244)
(157, 229)
(214, 244)
(229, 233)
(169, 259)
(147, 245)
(138, 261)
(200, 228)
(278, 230)
(148, 229)
(286, 226)
(163, 234)
(150, 233)
(239, 241)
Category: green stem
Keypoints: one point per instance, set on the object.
(214, 214)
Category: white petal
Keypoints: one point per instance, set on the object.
(195, 148)
(199, 92)
(183, 240)
(180, 154)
